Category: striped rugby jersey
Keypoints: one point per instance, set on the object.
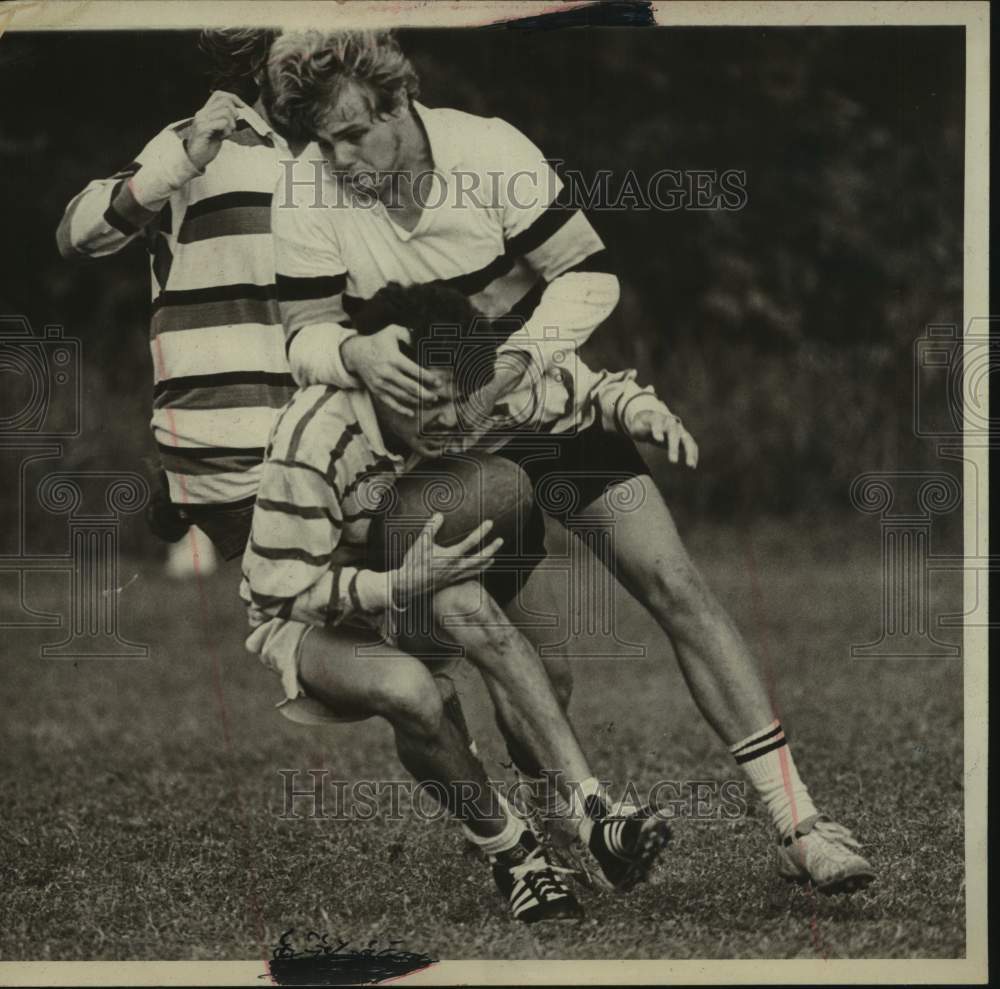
(493, 228)
(219, 364)
(325, 469)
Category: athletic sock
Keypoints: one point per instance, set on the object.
(767, 761)
(504, 841)
(589, 802)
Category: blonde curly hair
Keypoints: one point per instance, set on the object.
(307, 71)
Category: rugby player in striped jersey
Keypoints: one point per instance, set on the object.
(198, 196)
(325, 615)
(392, 190)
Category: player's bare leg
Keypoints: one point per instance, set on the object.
(725, 683)
(622, 846)
(514, 674)
(536, 796)
(335, 670)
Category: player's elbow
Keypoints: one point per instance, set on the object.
(70, 247)
(608, 288)
(64, 242)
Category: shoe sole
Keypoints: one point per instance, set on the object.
(652, 841)
(846, 885)
(577, 914)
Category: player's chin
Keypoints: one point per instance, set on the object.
(432, 448)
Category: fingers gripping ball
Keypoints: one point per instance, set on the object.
(467, 490)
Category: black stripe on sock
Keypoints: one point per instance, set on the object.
(759, 752)
(758, 739)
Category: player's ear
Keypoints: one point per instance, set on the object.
(398, 111)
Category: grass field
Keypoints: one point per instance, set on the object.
(141, 798)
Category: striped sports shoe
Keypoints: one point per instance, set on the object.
(623, 843)
(532, 885)
(824, 854)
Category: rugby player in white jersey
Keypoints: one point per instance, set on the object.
(395, 191)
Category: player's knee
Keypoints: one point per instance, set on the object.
(446, 689)
(471, 602)
(466, 598)
(410, 700)
(675, 587)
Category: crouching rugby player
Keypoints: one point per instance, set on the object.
(322, 620)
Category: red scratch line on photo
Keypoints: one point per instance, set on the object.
(765, 649)
(207, 627)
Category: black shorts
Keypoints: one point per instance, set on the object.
(570, 471)
(228, 526)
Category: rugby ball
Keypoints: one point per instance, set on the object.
(467, 489)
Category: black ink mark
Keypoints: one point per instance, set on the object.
(608, 13)
(316, 962)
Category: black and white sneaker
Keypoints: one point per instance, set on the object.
(623, 845)
(532, 885)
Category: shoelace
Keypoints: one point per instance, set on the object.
(535, 863)
(837, 833)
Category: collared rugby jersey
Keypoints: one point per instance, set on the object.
(492, 227)
(325, 468)
(219, 364)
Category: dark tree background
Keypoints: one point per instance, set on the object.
(782, 332)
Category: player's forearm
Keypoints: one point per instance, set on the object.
(573, 305)
(89, 227)
(316, 356)
(109, 213)
(339, 593)
(617, 399)
(573, 395)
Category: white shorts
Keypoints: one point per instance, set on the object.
(278, 643)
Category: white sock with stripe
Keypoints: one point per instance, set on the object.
(504, 841)
(767, 761)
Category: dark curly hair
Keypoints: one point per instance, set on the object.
(238, 58)
(433, 311)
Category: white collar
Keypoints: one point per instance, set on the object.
(364, 412)
(444, 138)
(258, 123)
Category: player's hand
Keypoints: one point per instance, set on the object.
(214, 122)
(666, 430)
(387, 372)
(429, 567)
